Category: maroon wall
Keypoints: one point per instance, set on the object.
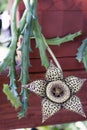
(57, 18)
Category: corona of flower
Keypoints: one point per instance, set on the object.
(57, 92)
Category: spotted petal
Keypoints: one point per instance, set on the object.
(74, 83)
(37, 87)
(53, 73)
(49, 108)
(75, 105)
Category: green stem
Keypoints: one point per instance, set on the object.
(12, 48)
(23, 21)
(14, 27)
(25, 62)
(34, 8)
(40, 39)
(51, 53)
(58, 41)
(10, 59)
(40, 43)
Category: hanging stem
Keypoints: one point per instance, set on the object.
(51, 53)
(38, 34)
(40, 39)
(11, 91)
(25, 61)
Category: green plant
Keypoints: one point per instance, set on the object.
(3, 5)
(82, 53)
(29, 28)
(68, 126)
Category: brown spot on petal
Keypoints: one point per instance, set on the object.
(75, 105)
(53, 73)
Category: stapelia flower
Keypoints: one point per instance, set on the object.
(57, 92)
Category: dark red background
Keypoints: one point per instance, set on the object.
(57, 18)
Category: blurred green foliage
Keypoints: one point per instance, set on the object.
(68, 126)
(3, 5)
(80, 125)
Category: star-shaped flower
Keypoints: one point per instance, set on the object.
(57, 92)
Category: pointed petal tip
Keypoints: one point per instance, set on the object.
(51, 64)
(49, 108)
(25, 86)
(84, 115)
(84, 80)
(43, 120)
(74, 104)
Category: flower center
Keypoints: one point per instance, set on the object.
(57, 91)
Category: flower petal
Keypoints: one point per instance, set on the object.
(74, 83)
(75, 105)
(49, 108)
(53, 73)
(37, 87)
